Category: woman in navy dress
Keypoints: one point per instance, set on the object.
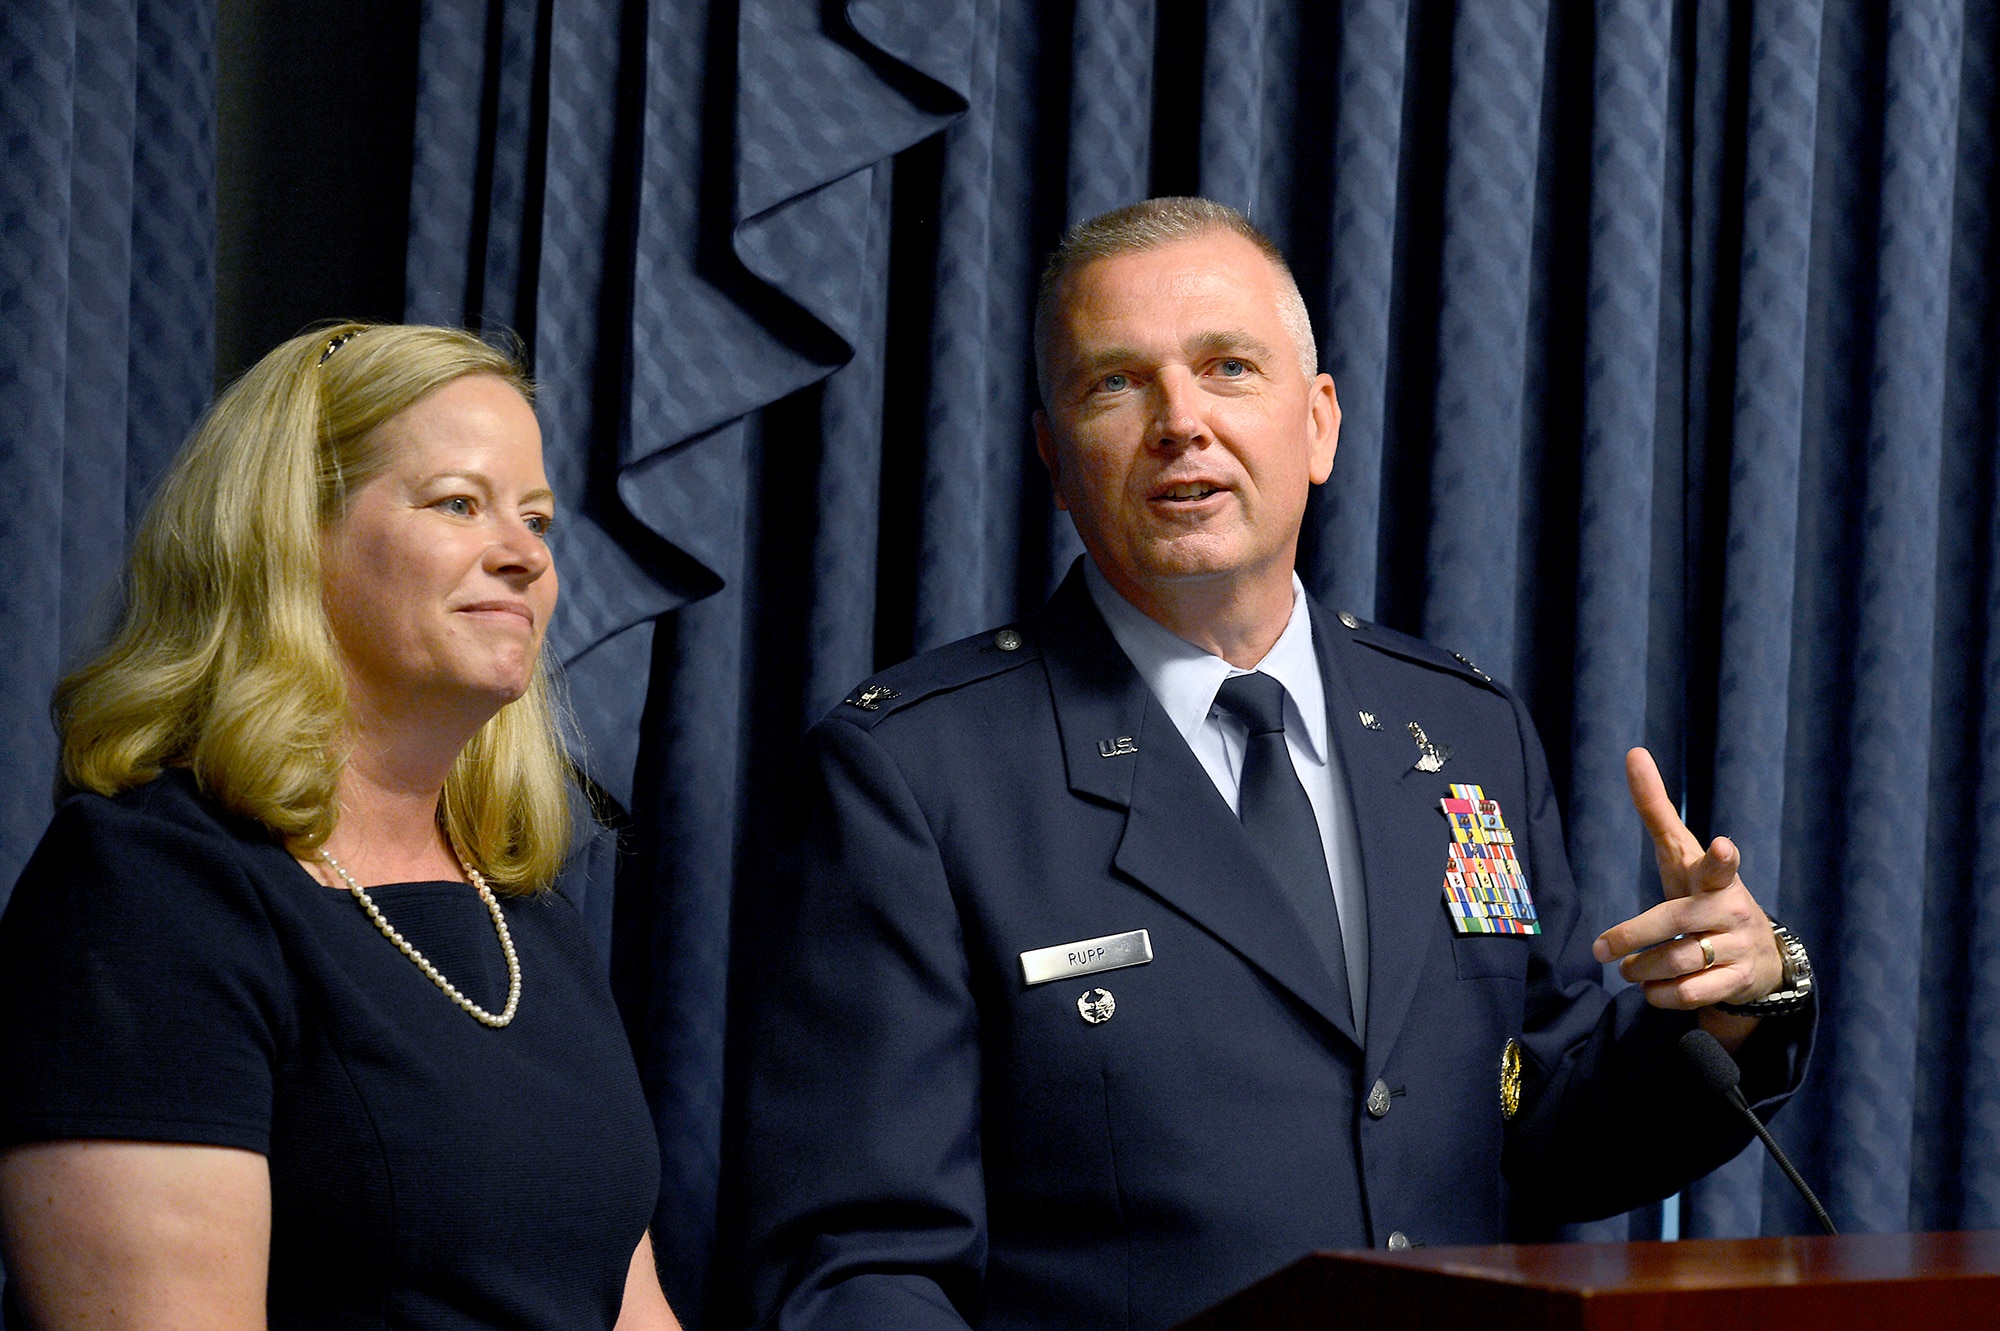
(294, 1029)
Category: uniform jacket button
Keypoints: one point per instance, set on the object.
(1378, 1100)
(1007, 640)
(1398, 1241)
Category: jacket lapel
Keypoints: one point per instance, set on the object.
(1181, 842)
(1402, 851)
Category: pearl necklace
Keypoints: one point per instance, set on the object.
(472, 875)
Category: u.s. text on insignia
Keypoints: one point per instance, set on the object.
(1370, 721)
(1485, 891)
(871, 698)
(1510, 1079)
(1116, 748)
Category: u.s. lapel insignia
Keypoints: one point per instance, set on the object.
(871, 698)
(1114, 748)
(1430, 757)
(1510, 1079)
(1096, 1006)
(1484, 888)
(1370, 721)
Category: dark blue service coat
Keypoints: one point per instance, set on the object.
(928, 1141)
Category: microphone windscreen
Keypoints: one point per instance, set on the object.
(1710, 1061)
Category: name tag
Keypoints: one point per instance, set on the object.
(1087, 957)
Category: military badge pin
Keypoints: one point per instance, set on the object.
(1096, 1006)
(871, 698)
(1510, 1079)
(1430, 757)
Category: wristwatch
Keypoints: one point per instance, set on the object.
(1794, 989)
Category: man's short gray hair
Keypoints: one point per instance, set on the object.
(1148, 225)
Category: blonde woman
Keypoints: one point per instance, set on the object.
(293, 1030)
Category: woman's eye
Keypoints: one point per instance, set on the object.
(457, 506)
(539, 523)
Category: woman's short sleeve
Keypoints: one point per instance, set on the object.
(143, 995)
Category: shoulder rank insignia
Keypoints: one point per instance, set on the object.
(1484, 888)
(871, 698)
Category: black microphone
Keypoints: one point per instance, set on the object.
(1712, 1063)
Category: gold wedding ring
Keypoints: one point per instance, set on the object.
(1707, 953)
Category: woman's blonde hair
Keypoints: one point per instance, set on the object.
(223, 660)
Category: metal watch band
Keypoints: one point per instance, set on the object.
(1794, 990)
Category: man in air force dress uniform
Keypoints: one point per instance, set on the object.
(1085, 1007)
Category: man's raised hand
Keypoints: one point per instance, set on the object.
(1709, 941)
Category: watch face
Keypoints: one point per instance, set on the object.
(1798, 966)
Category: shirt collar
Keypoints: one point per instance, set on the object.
(1185, 678)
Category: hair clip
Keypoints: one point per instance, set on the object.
(334, 344)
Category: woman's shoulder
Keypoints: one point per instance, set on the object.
(168, 812)
(144, 990)
(174, 796)
(159, 846)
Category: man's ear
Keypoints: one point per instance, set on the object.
(1323, 427)
(1045, 449)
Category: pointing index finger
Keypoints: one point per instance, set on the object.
(1656, 810)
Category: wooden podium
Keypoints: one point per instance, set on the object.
(1882, 1282)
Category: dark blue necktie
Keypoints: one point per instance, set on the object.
(1279, 817)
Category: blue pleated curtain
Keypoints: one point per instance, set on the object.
(107, 314)
(1661, 332)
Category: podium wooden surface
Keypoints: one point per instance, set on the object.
(1882, 1282)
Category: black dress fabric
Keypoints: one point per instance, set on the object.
(169, 973)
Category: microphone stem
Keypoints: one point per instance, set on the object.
(1771, 1145)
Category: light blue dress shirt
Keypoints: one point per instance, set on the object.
(1185, 678)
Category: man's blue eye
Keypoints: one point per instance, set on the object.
(1115, 383)
(1233, 368)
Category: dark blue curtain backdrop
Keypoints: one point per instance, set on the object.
(107, 310)
(1661, 331)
